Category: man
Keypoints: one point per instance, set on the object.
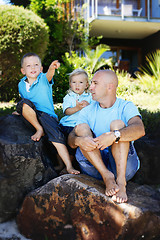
(105, 133)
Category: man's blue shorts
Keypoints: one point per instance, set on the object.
(86, 167)
(50, 124)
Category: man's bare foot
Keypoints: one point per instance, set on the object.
(37, 136)
(111, 187)
(121, 195)
(71, 170)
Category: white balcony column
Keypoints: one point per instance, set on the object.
(93, 13)
(87, 10)
(96, 8)
(148, 10)
(122, 9)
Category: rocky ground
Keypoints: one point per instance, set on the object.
(9, 231)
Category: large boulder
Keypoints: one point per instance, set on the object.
(23, 164)
(148, 150)
(76, 208)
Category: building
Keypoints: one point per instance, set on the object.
(130, 27)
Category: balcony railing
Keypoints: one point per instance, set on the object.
(124, 8)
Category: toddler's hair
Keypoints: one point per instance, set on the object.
(76, 72)
(30, 54)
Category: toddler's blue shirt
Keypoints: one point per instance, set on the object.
(40, 93)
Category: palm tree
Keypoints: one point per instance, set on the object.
(91, 59)
(94, 59)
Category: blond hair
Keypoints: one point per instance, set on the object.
(76, 72)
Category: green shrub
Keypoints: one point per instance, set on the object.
(149, 76)
(21, 31)
(127, 86)
(61, 82)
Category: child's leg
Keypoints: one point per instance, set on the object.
(63, 153)
(30, 115)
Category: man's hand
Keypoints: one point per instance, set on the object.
(86, 143)
(104, 140)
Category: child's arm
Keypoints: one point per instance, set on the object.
(51, 70)
(78, 107)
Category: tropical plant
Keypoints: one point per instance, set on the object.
(91, 59)
(149, 74)
(94, 59)
(127, 85)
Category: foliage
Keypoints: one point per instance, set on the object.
(21, 31)
(94, 61)
(20, 2)
(150, 74)
(61, 83)
(7, 110)
(151, 120)
(126, 84)
(66, 33)
(90, 59)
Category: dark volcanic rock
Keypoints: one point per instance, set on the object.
(21, 165)
(76, 208)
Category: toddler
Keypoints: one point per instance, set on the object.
(77, 98)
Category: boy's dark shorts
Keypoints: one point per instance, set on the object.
(50, 124)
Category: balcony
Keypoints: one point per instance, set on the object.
(124, 8)
(127, 19)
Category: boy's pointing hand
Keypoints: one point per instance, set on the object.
(55, 64)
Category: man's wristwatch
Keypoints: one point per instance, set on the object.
(117, 135)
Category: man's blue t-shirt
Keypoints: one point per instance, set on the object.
(69, 101)
(40, 93)
(99, 119)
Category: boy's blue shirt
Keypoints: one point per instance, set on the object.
(69, 101)
(40, 93)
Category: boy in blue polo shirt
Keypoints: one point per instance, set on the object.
(37, 106)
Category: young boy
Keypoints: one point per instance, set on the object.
(37, 106)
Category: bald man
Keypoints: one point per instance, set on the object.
(104, 135)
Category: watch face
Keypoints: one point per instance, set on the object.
(117, 133)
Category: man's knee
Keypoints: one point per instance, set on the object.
(117, 124)
(82, 129)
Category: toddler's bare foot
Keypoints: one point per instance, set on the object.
(37, 136)
(121, 195)
(71, 170)
(111, 187)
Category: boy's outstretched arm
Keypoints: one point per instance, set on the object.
(51, 70)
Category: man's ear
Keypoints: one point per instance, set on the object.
(22, 71)
(110, 86)
(41, 69)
